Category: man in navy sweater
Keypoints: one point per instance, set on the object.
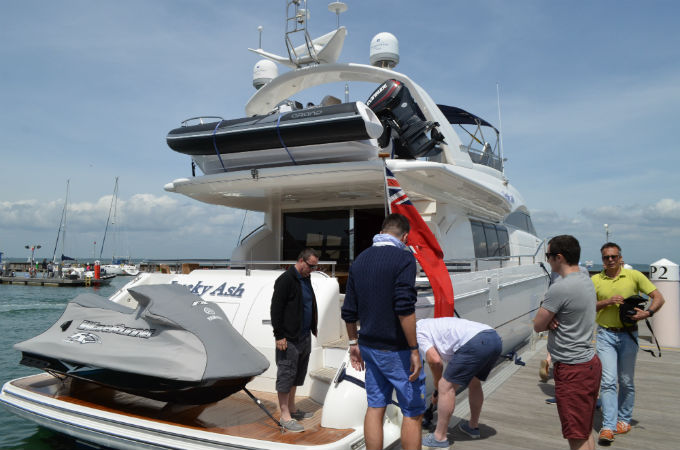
(381, 295)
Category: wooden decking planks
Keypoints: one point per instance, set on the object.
(515, 416)
(235, 415)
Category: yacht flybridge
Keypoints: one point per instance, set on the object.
(317, 172)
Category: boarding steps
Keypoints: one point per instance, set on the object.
(333, 354)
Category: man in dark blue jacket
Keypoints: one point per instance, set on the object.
(381, 295)
(294, 318)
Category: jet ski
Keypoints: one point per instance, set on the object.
(174, 346)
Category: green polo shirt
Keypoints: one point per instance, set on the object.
(628, 282)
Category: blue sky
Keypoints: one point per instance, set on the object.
(590, 100)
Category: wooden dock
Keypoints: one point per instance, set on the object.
(516, 416)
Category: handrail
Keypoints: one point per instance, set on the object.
(543, 244)
(474, 262)
(250, 234)
(227, 263)
(200, 119)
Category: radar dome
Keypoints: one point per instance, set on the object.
(384, 50)
(263, 72)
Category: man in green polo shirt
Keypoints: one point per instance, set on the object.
(616, 347)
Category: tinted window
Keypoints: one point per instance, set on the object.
(324, 231)
(478, 239)
(491, 239)
(503, 241)
(521, 220)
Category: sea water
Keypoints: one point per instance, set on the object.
(26, 311)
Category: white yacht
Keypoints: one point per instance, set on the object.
(330, 195)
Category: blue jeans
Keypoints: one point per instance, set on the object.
(618, 353)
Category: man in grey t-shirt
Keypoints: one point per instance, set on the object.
(568, 312)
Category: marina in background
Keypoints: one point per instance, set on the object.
(492, 255)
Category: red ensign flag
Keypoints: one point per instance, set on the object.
(425, 247)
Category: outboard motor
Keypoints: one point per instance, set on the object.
(398, 112)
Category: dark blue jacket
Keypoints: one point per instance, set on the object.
(380, 288)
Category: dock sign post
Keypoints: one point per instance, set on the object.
(666, 277)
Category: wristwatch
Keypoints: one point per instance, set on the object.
(651, 313)
(353, 342)
(415, 347)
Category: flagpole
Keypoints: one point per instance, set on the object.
(388, 210)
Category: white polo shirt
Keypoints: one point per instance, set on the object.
(446, 334)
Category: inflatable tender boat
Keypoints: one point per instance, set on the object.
(301, 127)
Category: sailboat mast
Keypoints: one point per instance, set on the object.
(62, 223)
(116, 229)
(63, 229)
(108, 219)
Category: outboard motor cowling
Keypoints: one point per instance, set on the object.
(399, 113)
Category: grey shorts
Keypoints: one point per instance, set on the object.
(292, 364)
(474, 359)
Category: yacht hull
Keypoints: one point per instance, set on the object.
(118, 420)
(504, 298)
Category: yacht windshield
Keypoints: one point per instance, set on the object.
(479, 148)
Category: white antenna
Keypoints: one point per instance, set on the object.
(346, 92)
(337, 8)
(260, 28)
(500, 126)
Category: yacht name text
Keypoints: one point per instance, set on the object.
(223, 290)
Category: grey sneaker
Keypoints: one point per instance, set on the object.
(429, 441)
(300, 415)
(467, 429)
(293, 426)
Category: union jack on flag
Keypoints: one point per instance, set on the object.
(397, 196)
(425, 247)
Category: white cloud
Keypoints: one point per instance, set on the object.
(645, 232)
(154, 226)
(663, 213)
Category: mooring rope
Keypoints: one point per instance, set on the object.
(278, 132)
(215, 144)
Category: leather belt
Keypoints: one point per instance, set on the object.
(621, 330)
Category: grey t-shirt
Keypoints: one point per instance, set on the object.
(573, 301)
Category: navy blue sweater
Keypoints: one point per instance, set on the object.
(380, 288)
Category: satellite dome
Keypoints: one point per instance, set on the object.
(384, 50)
(263, 72)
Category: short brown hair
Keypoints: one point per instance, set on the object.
(567, 246)
(396, 224)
